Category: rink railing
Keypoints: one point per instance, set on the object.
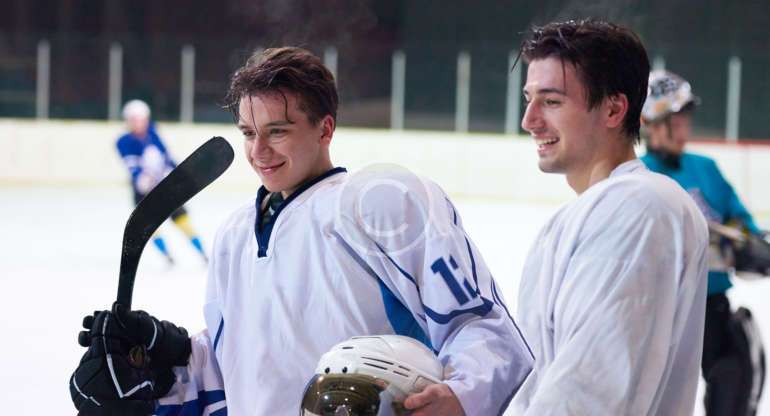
(494, 166)
(462, 87)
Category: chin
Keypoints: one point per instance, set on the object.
(547, 167)
(270, 185)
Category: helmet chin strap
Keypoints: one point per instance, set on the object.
(669, 159)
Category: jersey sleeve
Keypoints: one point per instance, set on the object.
(199, 390)
(619, 311)
(408, 235)
(131, 154)
(161, 146)
(735, 208)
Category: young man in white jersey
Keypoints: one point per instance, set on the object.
(613, 290)
(320, 256)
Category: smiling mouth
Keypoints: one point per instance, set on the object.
(543, 144)
(270, 169)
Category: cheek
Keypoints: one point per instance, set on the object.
(657, 133)
(683, 132)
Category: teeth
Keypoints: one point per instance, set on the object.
(541, 142)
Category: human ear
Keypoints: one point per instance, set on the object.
(616, 109)
(327, 129)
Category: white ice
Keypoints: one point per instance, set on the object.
(59, 259)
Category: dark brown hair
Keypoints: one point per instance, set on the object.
(609, 59)
(281, 70)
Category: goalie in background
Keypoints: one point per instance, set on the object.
(148, 162)
(733, 357)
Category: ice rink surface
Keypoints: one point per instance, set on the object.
(59, 258)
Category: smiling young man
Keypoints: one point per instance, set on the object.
(320, 256)
(613, 290)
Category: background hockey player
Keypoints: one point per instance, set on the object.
(148, 162)
(321, 255)
(613, 290)
(733, 380)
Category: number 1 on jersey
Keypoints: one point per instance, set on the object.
(441, 268)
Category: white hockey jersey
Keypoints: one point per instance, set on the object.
(347, 255)
(612, 301)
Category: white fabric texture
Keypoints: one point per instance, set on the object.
(612, 301)
(356, 255)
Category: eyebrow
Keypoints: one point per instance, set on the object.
(242, 125)
(547, 91)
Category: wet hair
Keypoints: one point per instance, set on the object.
(286, 70)
(609, 60)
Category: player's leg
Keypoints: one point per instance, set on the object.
(750, 353)
(733, 360)
(157, 240)
(719, 369)
(160, 244)
(182, 220)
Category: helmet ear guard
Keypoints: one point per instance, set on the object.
(370, 375)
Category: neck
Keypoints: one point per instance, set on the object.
(323, 167)
(602, 167)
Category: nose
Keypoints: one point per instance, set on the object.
(532, 120)
(260, 148)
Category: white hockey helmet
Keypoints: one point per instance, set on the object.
(667, 93)
(136, 108)
(370, 376)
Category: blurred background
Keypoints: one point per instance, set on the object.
(404, 64)
(428, 85)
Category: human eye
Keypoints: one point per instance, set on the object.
(248, 134)
(277, 134)
(551, 102)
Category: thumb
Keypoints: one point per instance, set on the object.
(139, 325)
(421, 399)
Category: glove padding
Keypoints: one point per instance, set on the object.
(128, 363)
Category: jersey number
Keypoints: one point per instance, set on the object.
(441, 268)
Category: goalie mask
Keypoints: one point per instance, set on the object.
(667, 93)
(370, 376)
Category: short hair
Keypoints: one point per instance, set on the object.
(287, 69)
(609, 59)
(136, 108)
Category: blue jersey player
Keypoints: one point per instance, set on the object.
(320, 255)
(733, 374)
(148, 162)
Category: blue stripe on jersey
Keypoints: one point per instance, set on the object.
(499, 301)
(403, 272)
(401, 318)
(219, 332)
(497, 298)
(481, 310)
(473, 265)
(454, 211)
(193, 407)
(437, 317)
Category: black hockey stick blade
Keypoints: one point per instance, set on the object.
(196, 172)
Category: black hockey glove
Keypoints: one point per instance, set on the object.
(128, 363)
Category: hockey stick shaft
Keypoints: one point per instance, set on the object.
(196, 172)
